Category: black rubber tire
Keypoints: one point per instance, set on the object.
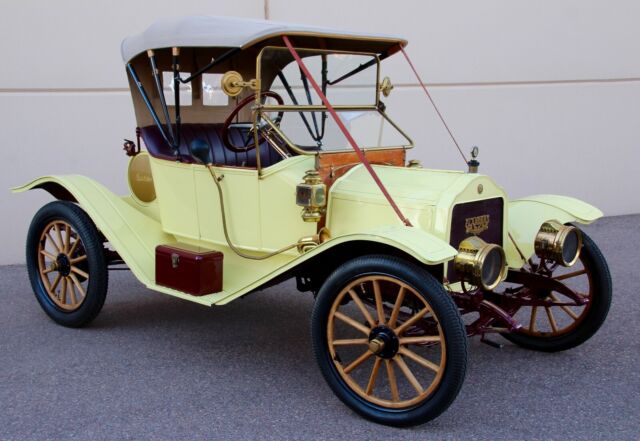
(596, 315)
(97, 265)
(444, 308)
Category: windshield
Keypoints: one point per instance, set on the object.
(350, 82)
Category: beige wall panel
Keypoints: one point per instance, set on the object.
(492, 40)
(57, 134)
(576, 140)
(76, 43)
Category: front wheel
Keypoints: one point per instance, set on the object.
(558, 328)
(389, 340)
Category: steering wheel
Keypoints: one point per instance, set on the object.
(250, 143)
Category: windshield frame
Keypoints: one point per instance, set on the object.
(260, 110)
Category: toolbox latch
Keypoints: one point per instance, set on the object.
(175, 260)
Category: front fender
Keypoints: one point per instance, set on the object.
(527, 214)
(132, 233)
(423, 246)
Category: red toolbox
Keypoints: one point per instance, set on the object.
(189, 269)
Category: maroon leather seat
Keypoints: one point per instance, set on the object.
(212, 135)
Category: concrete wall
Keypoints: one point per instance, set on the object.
(549, 91)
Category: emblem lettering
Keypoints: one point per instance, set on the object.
(476, 225)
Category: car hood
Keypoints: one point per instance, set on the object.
(425, 196)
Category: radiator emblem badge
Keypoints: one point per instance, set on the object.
(476, 225)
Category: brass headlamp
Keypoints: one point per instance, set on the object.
(559, 243)
(480, 263)
(311, 196)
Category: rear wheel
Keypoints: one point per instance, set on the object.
(66, 264)
(557, 328)
(389, 340)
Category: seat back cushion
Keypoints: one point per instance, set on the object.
(212, 135)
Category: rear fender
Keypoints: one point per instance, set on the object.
(132, 233)
(526, 215)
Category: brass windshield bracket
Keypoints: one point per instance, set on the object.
(232, 83)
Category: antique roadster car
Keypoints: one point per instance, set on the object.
(269, 154)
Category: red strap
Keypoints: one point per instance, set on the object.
(345, 131)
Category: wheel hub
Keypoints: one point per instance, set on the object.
(63, 265)
(383, 342)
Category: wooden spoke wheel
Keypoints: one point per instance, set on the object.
(566, 324)
(371, 328)
(389, 340)
(66, 263)
(62, 265)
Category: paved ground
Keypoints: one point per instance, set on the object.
(154, 367)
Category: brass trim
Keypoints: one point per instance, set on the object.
(260, 109)
(140, 178)
(232, 83)
(550, 240)
(315, 107)
(311, 195)
(300, 151)
(470, 261)
(386, 87)
(307, 243)
(376, 345)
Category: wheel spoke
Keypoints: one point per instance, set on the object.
(532, 321)
(67, 237)
(47, 254)
(74, 246)
(358, 361)
(418, 359)
(63, 291)
(77, 270)
(570, 275)
(552, 320)
(54, 285)
(420, 339)
(59, 235)
(374, 375)
(350, 342)
(569, 312)
(363, 309)
(393, 384)
(396, 308)
(352, 322)
(407, 373)
(72, 293)
(400, 329)
(565, 308)
(55, 245)
(78, 259)
(76, 282)
(379, 306)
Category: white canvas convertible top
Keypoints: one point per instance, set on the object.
(210, 31)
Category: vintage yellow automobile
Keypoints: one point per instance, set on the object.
(269, 154)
